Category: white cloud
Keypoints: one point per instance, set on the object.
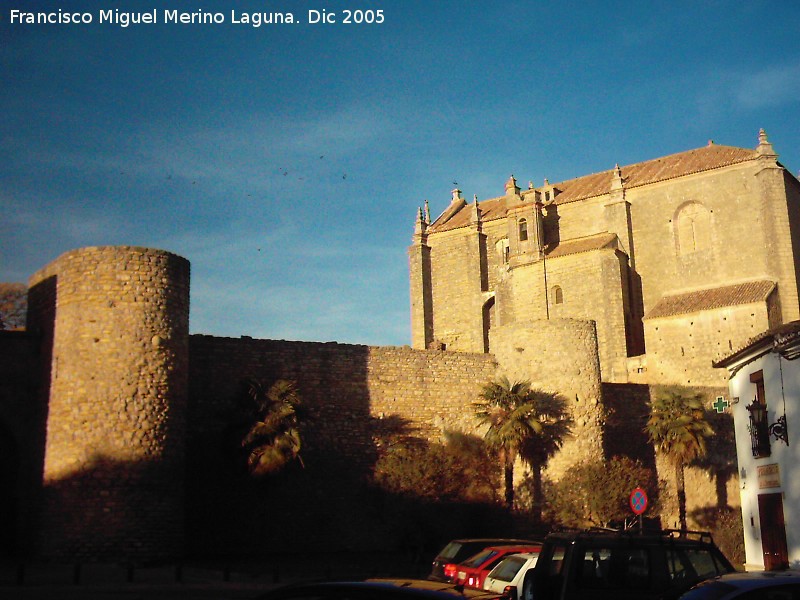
(771, 86)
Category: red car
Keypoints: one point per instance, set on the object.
(474, 570)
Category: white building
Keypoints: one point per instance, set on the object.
(765, 403)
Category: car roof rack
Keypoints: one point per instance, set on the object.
(671, 534)
(703, 536)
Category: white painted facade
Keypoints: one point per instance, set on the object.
(770, 482)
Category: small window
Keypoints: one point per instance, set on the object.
(703, 562)
(481, 558)
(595, 566)
(759, 427)
(615, 569)
(508, 568)
(523, 230)
(501, 246)
(557, 294)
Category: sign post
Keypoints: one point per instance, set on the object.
(638, 502)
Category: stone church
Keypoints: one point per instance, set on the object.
(115, 420)
(678, 260)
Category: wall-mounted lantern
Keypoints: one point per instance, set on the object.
(761, 429)
(779, 431)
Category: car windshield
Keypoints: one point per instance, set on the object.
(508, 568)
(480, 558)
(450, 550)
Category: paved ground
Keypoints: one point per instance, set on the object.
(178, 582)
(101, 582)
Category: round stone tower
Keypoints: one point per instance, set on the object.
(563, 353)
(116, 320)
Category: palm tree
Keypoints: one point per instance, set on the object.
(521, 422)
(273, 440)
(678, 428)
(538, 450)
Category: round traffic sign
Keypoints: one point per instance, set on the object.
(638, 501)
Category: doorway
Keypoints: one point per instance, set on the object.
(773, 532)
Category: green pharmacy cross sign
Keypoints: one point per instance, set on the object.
(720, 404)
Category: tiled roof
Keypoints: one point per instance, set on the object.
(729, 295)
(774, 338)
(709, 157)
(585, 244)
(490, 210)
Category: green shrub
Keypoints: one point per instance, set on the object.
(725, 525)
(598, 493)
(460, 470)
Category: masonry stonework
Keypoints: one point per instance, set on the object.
(618, 247)
(596, 288)
(560, 356)
(347, 388)
(115, 436)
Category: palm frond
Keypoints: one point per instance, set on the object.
(273, 440)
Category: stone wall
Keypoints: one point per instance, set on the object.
(791, 256)
(21, 441)
(724, 253)
(457, 307)
(593, 285)
(710, 483)
(559, 355)
(132, 402)
(705, 229)
(347, 387)
(116, 323)
(353, 396)
(681, 347)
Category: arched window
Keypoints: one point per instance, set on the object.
(692, 228)
(502, 249)
(523, 230)
(557, 295)
(488, 321)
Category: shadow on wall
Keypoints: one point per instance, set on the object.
(627, 409)
(9, 499)
(720, 459)
(25, 358)
(330, 502)
(230, 512)
(118, 509)
(329, 505)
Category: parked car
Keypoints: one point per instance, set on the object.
(761, 585)
(606, 565)
(507, 576)
(473, 571)
(377, 589)
(444, 565)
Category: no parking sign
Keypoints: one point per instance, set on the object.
(638, 501)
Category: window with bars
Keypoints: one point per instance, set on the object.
(759, 428)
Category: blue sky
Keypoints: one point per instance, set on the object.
(287, 162)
